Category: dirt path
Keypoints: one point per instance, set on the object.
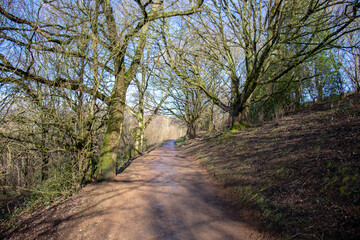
(162, 195)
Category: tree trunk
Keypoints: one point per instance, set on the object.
(239, 115)
(357, 74)
(139, 135)
(211, 126)
(139, 138)
(318, 81)
(191, 130)
(106, 169)
(45, 156)
(244, 117)
(297, 97)
(319, 89)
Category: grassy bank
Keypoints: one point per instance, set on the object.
(301, 174)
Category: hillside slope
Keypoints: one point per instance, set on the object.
(299, 175)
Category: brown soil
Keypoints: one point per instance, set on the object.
(161, 195)
(300, 173)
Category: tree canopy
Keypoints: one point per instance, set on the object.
(66, 68)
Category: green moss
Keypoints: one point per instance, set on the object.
(237, 127)
(106, 168)
(224, 136)
(343, 191)
(180, 140)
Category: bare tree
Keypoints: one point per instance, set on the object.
(149, 75)
(249, 42)
(351, 58)
(186, 103)
(118, 35)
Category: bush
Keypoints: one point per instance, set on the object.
(181, 140)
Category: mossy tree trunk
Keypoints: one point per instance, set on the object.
(298, 94)
(107, 162)
(191, 130)
(142, 124)
(211, 125)
(139, 134)
(139, 138)
(239, 114)
(106, 169)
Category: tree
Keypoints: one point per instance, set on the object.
(143, 81)
(248, 40)
(187, 104)
(327, 79)
(118, 38)
(351, 58)
(59, 124)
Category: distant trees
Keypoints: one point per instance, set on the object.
(327, 79)
(148, 82)
(187, 103)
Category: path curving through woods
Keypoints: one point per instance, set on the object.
(161, 195)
